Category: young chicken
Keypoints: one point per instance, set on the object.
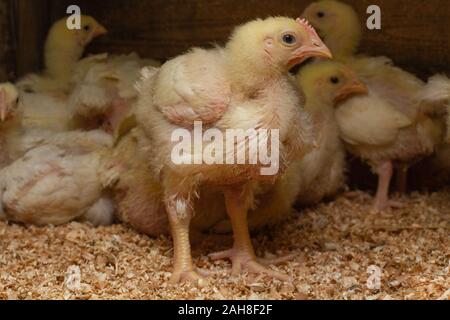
(326, 86)
(62, 179)
(44, 97)
(435, 98)
(383, 128)
(9, 122)
(63, 49)
(435, 101)
(245, 85)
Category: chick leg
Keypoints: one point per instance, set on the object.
(242, 254)
(382, 202)
(402, 179)
(179, 211)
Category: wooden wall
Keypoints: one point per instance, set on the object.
(7, 61)
(416, 33)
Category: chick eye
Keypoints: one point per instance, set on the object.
(320, 14)
(87, 27)
(289, 39)
(334, 80)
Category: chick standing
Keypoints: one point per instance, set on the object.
(385, 127)
(326, 86)
(242, 86)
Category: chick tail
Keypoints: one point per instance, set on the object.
(437, 90)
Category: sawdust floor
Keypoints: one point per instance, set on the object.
(343, 252)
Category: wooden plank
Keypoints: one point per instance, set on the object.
(31, 23)
(415, 33)
(7, 60)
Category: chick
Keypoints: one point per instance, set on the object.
(61, 180)
(63, 49)
(326, 86)
(105, 89)
(9, 122)
(435, 101)
(244, 85)
(435, 98)
(384, 127)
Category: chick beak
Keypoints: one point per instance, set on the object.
(313, 48)
(356, 87)
(99, 30)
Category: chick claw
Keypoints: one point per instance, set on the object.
(191, 276)
(245, 261)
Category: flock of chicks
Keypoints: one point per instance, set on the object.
(90, 138)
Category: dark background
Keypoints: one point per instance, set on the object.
(415, 33)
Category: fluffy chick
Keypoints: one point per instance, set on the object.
(9, 121)
(63, 49)
(105, 89)
(435, 101)
(61, 180)
(374, 127)
(340, 28)
(326, 86)
(244, 85)
(321, 172)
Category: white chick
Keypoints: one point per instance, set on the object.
(60, 180)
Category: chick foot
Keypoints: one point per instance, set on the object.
(382, 205)
(179, 276)
(244, 261)
(382, 201)
(242, 255)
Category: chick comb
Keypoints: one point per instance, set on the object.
(305, 24)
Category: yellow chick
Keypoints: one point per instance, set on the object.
(326, 85)
(63, 49)
(321, 172)
(244, 85)
(383, 128)
(9, 120)
(44, 97)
